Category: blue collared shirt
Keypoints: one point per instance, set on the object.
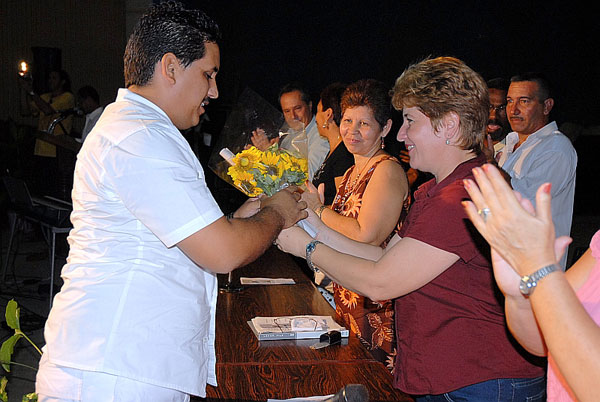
(546, 156)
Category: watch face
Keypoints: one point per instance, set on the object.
(525, 285)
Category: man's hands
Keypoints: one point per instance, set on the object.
(288, 204)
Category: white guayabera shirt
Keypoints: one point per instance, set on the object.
(133, 304)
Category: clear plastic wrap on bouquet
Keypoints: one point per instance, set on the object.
(249, 169)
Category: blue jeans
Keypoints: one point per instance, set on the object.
(502, 389)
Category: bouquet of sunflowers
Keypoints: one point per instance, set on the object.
(257, 172)
(249, 169)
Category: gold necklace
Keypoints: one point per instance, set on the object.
(347, 192)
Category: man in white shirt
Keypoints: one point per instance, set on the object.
(135, 318)
(89, 102)
(297, 110)
(536, 152)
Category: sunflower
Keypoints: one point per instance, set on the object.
(244, 181)
(270, 164)
(248, 158)
(295, 164)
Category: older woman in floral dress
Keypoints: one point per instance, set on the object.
(368, 206)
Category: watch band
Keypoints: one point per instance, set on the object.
(319, 211)
(529, 282)
(310, 248)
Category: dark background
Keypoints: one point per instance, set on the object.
(266, 44)
(269, 43)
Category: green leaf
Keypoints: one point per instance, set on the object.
(7, 349)
(3, 394)
(32, 397)
(12, 315)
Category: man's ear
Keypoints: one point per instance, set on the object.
(548, 105)
(169, 67)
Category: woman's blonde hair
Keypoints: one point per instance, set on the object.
(443, 85)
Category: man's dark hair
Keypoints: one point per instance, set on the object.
(166, 27)
(294, 86)
(331, 98)
(498, 83)
(88, 91)
(544, 86)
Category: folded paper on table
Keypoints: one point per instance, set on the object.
(294, 327)
(266, 281)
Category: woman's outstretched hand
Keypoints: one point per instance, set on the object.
(312, 196)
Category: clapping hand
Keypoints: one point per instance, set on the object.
(522, 239)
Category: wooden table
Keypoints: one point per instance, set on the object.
(251, 370)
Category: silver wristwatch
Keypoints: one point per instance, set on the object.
(529, 282)
(310, 247)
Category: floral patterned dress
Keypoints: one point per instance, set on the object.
(371, 321)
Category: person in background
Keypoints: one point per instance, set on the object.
(536, 151)
(329, 114)
(550, 312)
(453, 343)
(135, 318)
(48, 107)
(297, 110)
(368, 207)
(89, 102)
(498, 127)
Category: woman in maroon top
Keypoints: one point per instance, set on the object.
(452, 340)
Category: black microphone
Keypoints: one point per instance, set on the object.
(68, 112)
(351, 393)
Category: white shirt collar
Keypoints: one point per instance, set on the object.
(512, 138)
(126, 94)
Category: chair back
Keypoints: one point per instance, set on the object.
(18, 192)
